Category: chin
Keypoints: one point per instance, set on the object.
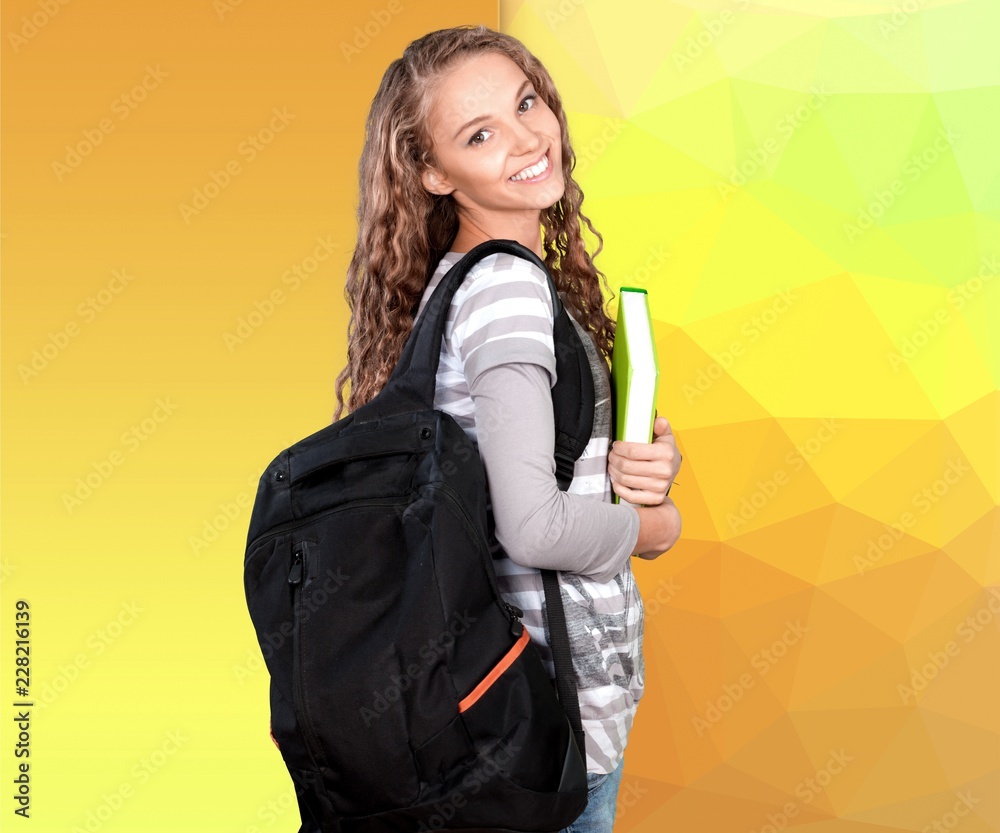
(554, 195)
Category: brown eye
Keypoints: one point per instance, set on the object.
(473, 141)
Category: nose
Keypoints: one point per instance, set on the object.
(526, 141)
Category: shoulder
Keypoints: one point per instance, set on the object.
(503, 286)
(497, 277)
(503, 275)
(501, 314)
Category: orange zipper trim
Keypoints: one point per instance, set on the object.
(498, 669)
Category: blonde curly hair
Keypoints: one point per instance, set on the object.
(404, 230)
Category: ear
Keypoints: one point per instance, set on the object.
(435, 183)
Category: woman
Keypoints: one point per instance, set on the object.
(467, 141)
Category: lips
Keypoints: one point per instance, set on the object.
(536, 169)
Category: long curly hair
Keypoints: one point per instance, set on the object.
(404, 230)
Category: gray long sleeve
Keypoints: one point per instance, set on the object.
(537, 524)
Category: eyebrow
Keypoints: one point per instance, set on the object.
(477, 119)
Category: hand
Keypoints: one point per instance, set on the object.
(642, 473)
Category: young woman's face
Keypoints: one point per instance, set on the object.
(498, 145)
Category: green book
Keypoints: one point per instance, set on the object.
(634, 369)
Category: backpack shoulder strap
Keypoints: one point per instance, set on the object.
(411, 387)
(573, 409)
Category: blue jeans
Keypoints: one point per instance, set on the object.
(602, 797)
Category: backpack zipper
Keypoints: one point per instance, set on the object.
(295, 575)
(288, 526)
(513, 613)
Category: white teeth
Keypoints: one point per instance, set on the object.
(533, 171)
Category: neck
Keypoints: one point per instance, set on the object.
(528, 234)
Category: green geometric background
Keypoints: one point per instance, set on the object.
(811, 194)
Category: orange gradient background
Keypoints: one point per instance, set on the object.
(158, 350)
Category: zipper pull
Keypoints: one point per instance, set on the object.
(295, 574)
(515, 613)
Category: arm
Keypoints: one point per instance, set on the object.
(643, 473)
(537, 524)
(501, 334)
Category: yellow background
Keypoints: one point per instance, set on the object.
(169, 390)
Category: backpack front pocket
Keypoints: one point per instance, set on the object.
(517, 723)
(487, 682)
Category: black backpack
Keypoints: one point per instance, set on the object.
(404, 693)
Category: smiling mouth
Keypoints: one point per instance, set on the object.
(532, 171)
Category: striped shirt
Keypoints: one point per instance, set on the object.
(502, 315)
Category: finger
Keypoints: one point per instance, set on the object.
(634, 451)
(660, 467)
(639, 497)
(661, 426)
(658, 478)
(645, 451)
(662, 451)
(657, 484)
(666, 434)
